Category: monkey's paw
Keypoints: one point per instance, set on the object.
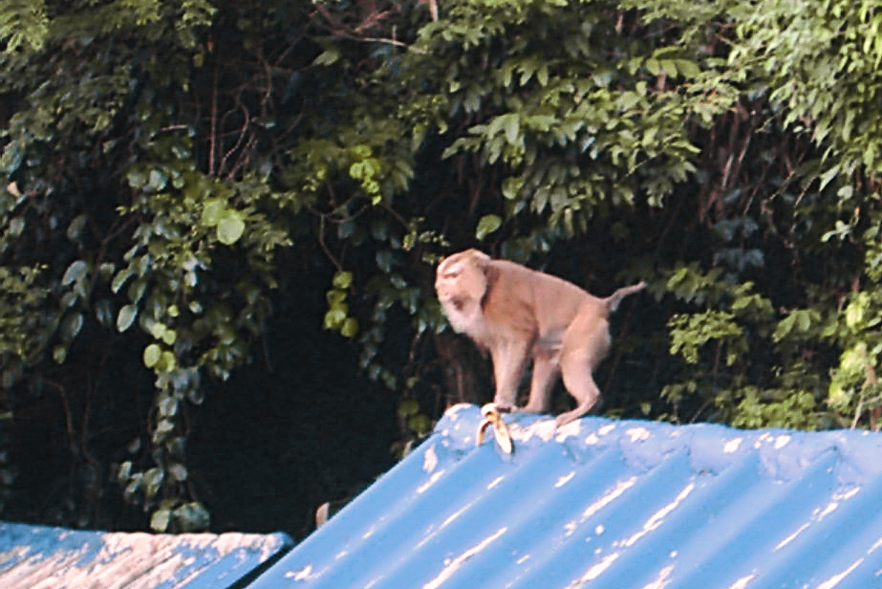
(499, 406)
(492, 417)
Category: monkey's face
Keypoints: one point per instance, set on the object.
(461, 283)
(460, 279)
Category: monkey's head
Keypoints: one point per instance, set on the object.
(461, 282)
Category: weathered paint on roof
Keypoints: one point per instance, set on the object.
(611, 504)
(38, 557)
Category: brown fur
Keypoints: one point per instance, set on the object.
(519, 314)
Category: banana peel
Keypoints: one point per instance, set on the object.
(492, 416)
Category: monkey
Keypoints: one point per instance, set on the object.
(519, 315)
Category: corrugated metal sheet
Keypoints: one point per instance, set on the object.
(37, 557)
(612, 504)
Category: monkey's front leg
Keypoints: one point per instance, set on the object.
(509, 361)
(545, 372)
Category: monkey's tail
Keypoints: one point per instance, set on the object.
(613, 300)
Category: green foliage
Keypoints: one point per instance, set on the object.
(689, 333)
(716, 342)
(487, 225)
(415, 423)
(776, 408)
(21, 298)
(23, 24)
(817, 94)
(116, 145)
(337, 318)
(560, 101)
(827, 85)
(854, 391)
(158, 156)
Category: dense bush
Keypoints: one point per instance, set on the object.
(176, 172)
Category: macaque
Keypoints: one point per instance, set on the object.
(519, 314)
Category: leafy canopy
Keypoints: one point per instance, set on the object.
(159, 156)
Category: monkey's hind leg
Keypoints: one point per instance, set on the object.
(579, 382)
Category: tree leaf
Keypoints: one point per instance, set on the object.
(151, 355)
(167, 362)
(213, 211)
(126, 317)
(335, 297)
(104, 312)
(511, 187)
(342, 279)
(72, 326)
(192, 517)
(59, 353)
(169, 336)
(136, 178)
(177, 472)
(349, 328)
(687, 68)
(828, 176)
(157, 180)
(230, 228)
(168, 406)
(542, 75)
(159, 520)
(334, 318)
(153, 480)
(124, 473)
(512, 128)
(75, 229)
(75, 272)
(328, 57)
(487, 225)
(385, 259)
(408, 407)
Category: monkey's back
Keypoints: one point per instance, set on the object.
(551, 302)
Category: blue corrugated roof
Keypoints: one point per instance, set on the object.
(39, 557)
(614, 504)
